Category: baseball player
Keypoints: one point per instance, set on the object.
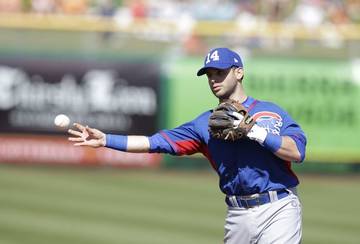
(254, 171)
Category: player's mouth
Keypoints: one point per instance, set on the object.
(216, 88)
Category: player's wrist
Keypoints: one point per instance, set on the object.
(257, 133)
(272, 142)
(268, 140)
(103, 140)
(118, 142)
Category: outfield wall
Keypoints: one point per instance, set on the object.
(56, 53)
(322, 95)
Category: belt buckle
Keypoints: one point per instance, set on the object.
(254, 197)
(250, 197)
(258, 201)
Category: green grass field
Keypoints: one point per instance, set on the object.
(73, 205)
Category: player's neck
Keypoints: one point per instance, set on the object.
(239, 97)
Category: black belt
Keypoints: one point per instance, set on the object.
(255, 199)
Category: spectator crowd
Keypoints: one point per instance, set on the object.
(307, 12)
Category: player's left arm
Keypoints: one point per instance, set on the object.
(289, 144)
(288, 150)
(293, 141)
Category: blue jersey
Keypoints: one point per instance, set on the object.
(244, 166)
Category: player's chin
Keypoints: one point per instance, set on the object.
(220, 94)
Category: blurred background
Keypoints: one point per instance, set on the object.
(129, 67)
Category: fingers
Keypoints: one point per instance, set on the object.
(83, 128)
(76, 139)
(80, 126)
(74, 132)
(79, 141)
(91, 131)
(91, 143)
(80, 144)
(84, 136)
(95, 133)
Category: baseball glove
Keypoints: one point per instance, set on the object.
(230, 121)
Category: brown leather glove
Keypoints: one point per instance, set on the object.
(230, 121)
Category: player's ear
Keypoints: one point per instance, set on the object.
(239, 73)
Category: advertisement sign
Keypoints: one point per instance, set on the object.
(41, 149)
(112, 96)
(322, 95)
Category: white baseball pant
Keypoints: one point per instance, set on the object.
(278, 222)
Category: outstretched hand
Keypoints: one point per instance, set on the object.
(86, 136)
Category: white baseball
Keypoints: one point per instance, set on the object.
(62, 121)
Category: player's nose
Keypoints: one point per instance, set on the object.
(213, 81)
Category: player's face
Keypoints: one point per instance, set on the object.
(222, 82)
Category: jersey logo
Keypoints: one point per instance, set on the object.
(271, 121)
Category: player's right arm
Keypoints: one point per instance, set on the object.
(183, 140)
(86, 136)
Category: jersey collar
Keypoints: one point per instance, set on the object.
(249, 100)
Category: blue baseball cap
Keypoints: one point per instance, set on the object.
(220, 58)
